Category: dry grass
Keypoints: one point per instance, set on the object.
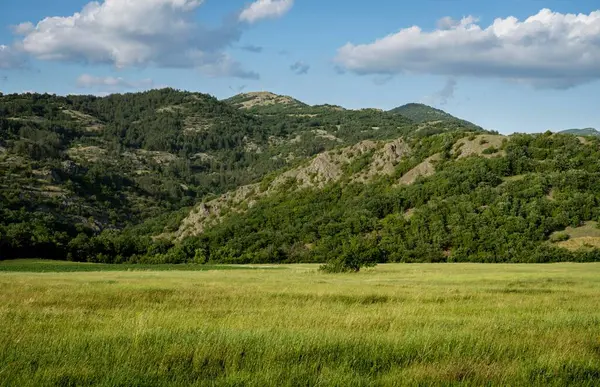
(584, 237)
(393, 325)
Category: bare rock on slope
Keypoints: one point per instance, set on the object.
(265, 99)
(385, 160)
(324, 169)
(425, 169)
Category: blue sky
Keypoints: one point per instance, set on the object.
(512, 65)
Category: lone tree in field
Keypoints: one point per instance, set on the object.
(354, 254)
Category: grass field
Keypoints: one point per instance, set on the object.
(392, 325)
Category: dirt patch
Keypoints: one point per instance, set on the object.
(477, 146)
(92, 124)
(583, 243)
(586, 236)
(87, 153)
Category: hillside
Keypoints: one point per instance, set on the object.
(169, 176)
(582, 132)
(424, 114)
(264, 100)
(84, 165)
(451, 197)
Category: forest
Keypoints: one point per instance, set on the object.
(110, 180)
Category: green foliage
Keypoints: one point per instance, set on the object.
(353, 255)
(96, 179)
(559, 237)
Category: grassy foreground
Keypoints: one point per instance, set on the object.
(393, 325)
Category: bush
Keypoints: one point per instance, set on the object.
(355, 254)
(559, 237)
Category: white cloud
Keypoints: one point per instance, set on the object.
(133, 33)
(300, 68)
(266, 9)
(220, 65)
(549, 50)
(10, 57)
(23, 28)
(112, 83)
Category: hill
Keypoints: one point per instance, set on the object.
(421, 113)
(84, 165)
(168, 176)
(582, 132)
(452, 197)
(262, 100)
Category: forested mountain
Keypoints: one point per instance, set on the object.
(79, 165)
(582, 132)
(421, 113)
(171, 176)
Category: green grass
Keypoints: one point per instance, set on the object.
(46, 266)
(392, 325)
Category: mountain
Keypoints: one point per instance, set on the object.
(582, 132)
(450, 197)
(264, 100)
(84, 165)
(171, 176)
(421, 113)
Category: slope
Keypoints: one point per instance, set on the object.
(500, 202)
(84, 165)
(582, 132)
(429, 116)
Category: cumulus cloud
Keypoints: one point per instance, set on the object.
(265, 9)
(87, 81)
(547, 50)
(23, 28)
(11, 57)
(443, 96)
(134, 33)
(300, 68)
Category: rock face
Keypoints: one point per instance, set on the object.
(385, 160)
(207, 214)
(374, 159)
(426, 168)
(265, 99)
(325, 168)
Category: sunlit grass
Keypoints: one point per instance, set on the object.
(392, 325)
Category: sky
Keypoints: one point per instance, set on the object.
(511, 65)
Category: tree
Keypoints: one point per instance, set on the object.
(355, 253)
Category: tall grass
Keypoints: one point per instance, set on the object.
(393, 325)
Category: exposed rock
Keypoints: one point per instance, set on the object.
(425, 169)
(72, 168)
(385, 160)
(265, 99)
(207, 214)
(87, 153)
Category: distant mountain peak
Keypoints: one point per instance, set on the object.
(582, 132)
(261, 99)
(421, 114)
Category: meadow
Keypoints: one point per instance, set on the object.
(420, 324)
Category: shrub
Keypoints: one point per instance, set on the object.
(355, 254)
